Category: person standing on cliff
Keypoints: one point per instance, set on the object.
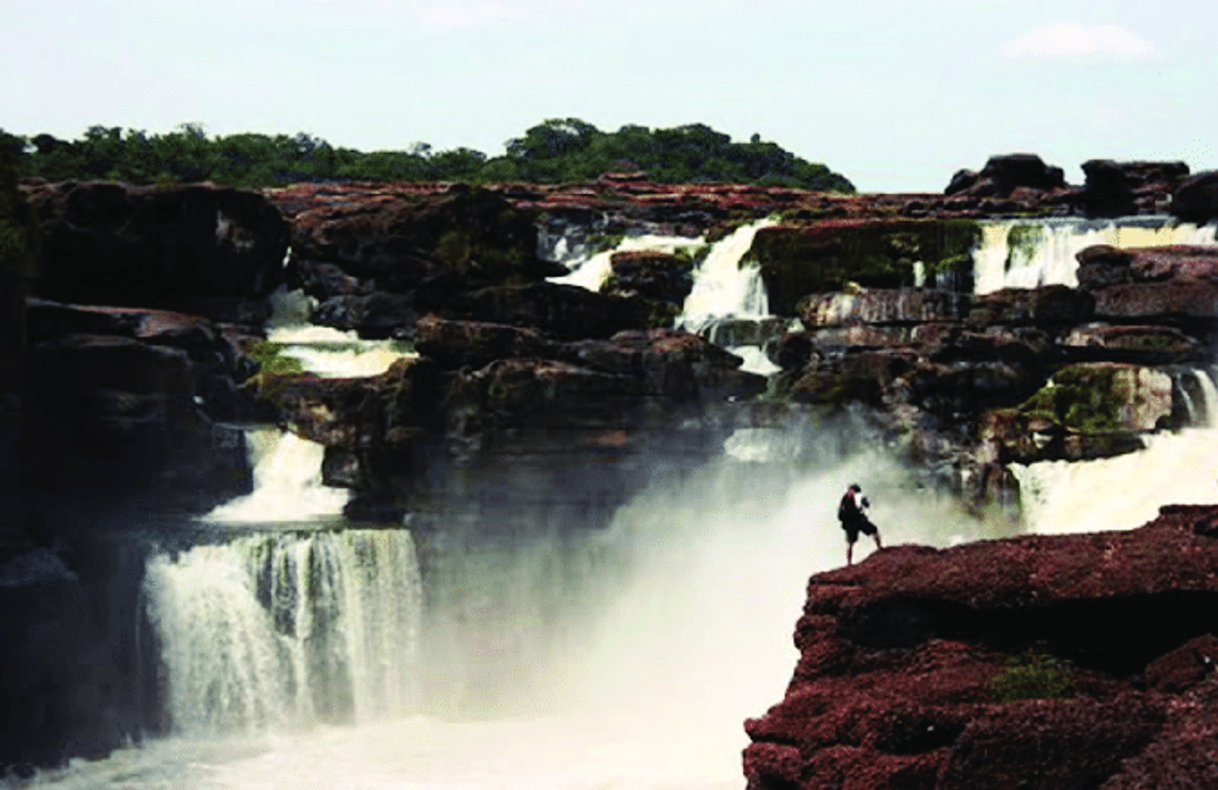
(852, 513)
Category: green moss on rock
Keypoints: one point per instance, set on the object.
(824, 256)
(1087, 398)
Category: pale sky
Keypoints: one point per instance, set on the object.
(894, 94)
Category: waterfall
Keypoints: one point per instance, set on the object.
(276, 630)
(1028, 254)
(287, 482)
(1126, 491)
(724, 291)
(593, 271)
(723, 288)
(322, 350)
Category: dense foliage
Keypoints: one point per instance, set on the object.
(557, 150)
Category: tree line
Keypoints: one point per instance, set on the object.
(557, 150)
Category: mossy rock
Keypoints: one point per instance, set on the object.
(1091, 398)
(824, 256)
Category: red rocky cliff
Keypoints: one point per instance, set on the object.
(1079, 661)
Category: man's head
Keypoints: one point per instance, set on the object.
(855, 487)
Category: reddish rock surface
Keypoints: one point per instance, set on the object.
(907, 659)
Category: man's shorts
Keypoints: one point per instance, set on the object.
(854, 526)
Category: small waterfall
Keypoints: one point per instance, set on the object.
(723, 288)
(1028, 254)
(324, 351)
(593, 271)
(287, 482)
(287, 629)
(1208, 416)
(1126, 491)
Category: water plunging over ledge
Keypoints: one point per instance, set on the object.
(1031, 253)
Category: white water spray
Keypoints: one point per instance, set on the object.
(278, 630)
(1029, 254)
(723, 288)
(288, 482)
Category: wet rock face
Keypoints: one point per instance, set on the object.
(1004, 664)
(486, 394)
(198, 249)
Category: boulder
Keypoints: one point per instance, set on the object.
(1004, 174)
(1142, 344)
(376, 315)
(1103, 266)
(1195, 199)
(475, 344)
(655, 275)
(1005, 664)
(1151, 282)
(567, 312)
(798, 260)
(199, 249)
(396, 236)
(1115, 189)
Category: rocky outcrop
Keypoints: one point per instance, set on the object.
(1004, 174)
(123, 405)
(968, 384)
(1005, 664)
(488, 399)
(1115, 189)
(1196, 198)
(1139, 284)
(803, 258)
(197, 249)
(381, 258)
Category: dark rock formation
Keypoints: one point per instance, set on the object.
(380, 258)
(1003, 174)
(124, 403)
(1005, 664)
(801, 259)
(1158, 284)
(197, 249)
(1114, 189)
(1196, 198)
(489, 399)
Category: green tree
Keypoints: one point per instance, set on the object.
(556, 150)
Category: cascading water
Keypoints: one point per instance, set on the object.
(276, 630)
(1176, 468)
(1032, 253)
(723, 288)
(1064, 496)
(322, 350)
(287, 482)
